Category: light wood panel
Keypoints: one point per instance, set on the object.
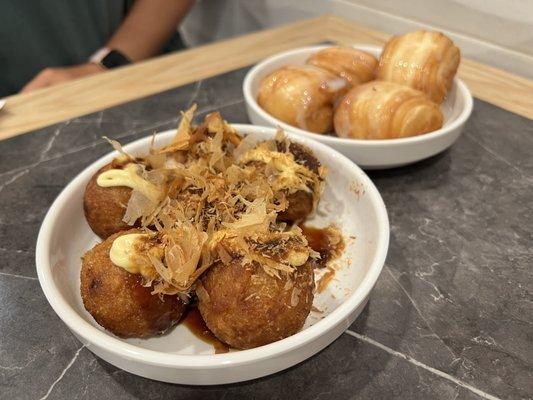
(33, 110)
(27, 112)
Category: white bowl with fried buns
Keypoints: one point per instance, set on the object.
(368, 154)
(350, 200)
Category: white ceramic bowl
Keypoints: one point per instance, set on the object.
(350, 199)
(368, 154)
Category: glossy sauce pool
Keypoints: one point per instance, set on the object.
(195, 323)
(326, 241)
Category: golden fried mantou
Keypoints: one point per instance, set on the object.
(423, 60)
(302, 96)
(356, 66)
(245, 307)
(105, 206)
(117, 299)
(385, 110)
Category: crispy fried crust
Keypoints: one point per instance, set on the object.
(118, 301)
(300, 206)
(105, 206)
(302, 154)
(301, 96)
(300, 202)
(245, 307)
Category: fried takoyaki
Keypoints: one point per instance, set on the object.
(356, 66)
(302, 202)
(117, 299)
(210, 210)
(245, 306)
(108, 193)
(104, 206)
(300, 205)
(293, 170)
(302, 96)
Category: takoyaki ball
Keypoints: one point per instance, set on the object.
(105, 206)
(302, 96)
(354, 65)
(300, 205)
(117, 299)
(245, 307)
(303, 155)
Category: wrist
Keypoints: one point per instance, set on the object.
(109, 58)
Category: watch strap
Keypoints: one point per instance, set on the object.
(109, 58)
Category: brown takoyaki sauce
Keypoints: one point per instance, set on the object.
(194, 321)
(326, 241)
(220, 208)
(324, 281)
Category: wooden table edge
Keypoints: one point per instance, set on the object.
(26, 112)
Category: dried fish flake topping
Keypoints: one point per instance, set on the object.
(221, 197)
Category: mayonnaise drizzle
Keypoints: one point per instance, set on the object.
(129, 177)
(122, 254)
(299, 257)
(289, 170)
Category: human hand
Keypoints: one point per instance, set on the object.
(53, 76)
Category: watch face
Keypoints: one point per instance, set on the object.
(115, 59)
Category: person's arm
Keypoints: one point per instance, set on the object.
(146, 29)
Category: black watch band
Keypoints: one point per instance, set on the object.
(114, 59)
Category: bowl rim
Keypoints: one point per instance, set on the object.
(115, 346)
(250, 100)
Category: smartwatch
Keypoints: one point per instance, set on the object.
(109, 58)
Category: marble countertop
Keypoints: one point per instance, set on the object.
(451, 316)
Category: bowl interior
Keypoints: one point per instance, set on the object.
(350, 200)
(451, 108)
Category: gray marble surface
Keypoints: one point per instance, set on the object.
(451, 316)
